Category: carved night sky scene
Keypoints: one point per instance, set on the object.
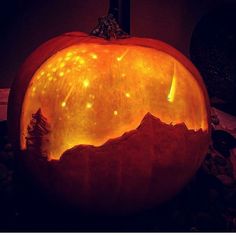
(118, 116)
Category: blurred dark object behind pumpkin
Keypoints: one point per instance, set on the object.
(213, 51)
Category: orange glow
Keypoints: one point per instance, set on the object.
(119, 58)
(91, 93)
(171, 95)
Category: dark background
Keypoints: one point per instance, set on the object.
(25, 24)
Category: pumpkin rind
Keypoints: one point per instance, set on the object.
(140, 169)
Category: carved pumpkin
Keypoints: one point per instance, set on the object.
(128, 120)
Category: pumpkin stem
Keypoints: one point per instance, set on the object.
(108, 28)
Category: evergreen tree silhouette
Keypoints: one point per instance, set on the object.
(37, 137)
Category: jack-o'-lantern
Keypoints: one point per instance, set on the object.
(122, 123)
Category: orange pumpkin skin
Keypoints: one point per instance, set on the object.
(139, 170)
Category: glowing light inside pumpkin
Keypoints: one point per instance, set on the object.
(63, 104)
(91, 93)
(171, 95)
(86, 83)
(122, 55)
(127, 95)
(89, 105)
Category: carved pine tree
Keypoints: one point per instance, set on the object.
(37, 137)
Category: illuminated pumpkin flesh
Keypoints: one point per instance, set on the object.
(91, 93)
(128, 120)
